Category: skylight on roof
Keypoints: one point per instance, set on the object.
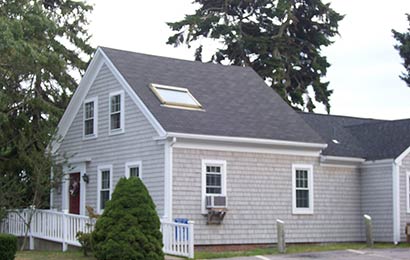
(175, 96)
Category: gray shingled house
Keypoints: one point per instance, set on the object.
(215, 145)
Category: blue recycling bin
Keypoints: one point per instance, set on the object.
(181, 234)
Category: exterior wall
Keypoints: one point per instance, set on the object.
(377, 200)
(259, 191)
(404, 215)
(135, 144)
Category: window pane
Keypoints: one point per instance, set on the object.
(176, 96)
(89, 110)
(104, 197)
(89, 127)
(213, 180)
(302, 198)
(213, 190)
(115, 121)
(105, 179)
(301, 179)
(134, 172)
(115, 103)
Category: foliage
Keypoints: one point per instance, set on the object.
(129, 228)
(85, 241)
(281, 40)
(8, 246)
(404, 50)
(43, 49)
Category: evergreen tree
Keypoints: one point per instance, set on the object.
(43, 52)
(404, 50)
(129, 228)
(281, 40)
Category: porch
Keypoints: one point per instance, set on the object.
(62, 227)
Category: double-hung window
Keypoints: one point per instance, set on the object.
(116, 112)
(104, 186)
(213, 179)
(90, 118)
(133, 169)
(302, 189)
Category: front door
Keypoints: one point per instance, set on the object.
(74, 193)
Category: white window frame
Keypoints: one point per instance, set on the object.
(99, 177)
(408, 191)
(130, 165)
(309, 169)
(205, 163)
(121, 129)
(95, 118)
(196, 106)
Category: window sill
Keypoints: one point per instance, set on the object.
(302, 212)
(116, 132)
(89, 137)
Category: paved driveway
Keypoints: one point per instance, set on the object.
(368, 254)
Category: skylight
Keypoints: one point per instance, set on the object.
(175, 96)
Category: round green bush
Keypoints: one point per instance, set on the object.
(129, 228)
(8, 246)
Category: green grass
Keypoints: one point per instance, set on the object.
(294, 249)
(51, 255)
(291, 249)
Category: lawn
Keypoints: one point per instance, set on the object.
(291, 249)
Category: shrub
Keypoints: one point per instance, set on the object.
(85, 240)
(8, 246)
(129, 228)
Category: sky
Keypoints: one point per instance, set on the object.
(365, 67)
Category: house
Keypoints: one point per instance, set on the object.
(215, 145)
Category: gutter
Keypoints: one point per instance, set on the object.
(245, 140)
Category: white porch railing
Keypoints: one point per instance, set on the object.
(178, 238)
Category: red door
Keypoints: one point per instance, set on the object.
(74, 193)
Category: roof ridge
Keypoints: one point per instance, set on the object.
(343, 116)
(379, 122)
(177, 59)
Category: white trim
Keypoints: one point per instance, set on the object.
(247, 140)
(402, 155)
(324, 158)
(146, 112)
(122, 123)
(242, 147)
(129, 165)
(396, 202)
(377, 163)
(95, 118)
(74, 167)
(309, 169)
(100, 169)
(168, 179)
(211, 162)
(408, 192)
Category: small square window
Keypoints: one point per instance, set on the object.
(133, 169)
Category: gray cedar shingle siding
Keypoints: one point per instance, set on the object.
(237, 102)
(377, 200)
(259, 191)
(136, 144)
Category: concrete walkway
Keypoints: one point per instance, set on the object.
(350, 254)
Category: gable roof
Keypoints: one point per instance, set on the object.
(236, 101)
(371, 139)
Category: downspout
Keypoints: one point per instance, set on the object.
(168, 157)
(396, 201)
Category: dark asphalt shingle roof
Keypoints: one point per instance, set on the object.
(236, 100)
(370, 139)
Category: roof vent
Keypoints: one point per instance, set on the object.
(335, 141)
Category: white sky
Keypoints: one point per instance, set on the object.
(365, 67)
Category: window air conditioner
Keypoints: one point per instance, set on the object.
(215, 202)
